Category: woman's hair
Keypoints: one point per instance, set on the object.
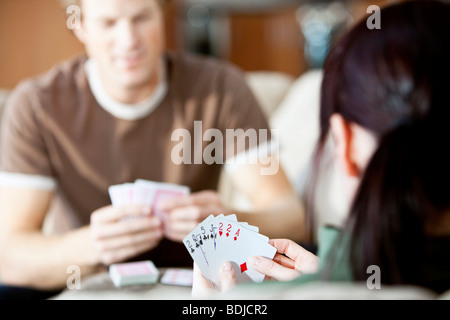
(394, 82)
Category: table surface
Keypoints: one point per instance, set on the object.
(100, 287)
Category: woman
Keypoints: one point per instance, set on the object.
(384, 99)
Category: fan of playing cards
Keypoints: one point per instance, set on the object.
(223, 238)
(144, 192)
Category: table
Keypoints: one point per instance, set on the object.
(100, 287)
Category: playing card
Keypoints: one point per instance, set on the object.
(121, 195)
(236, 244)
(162, 191)
(209, 236)
(145, 193)
(133, 273)
(195, 244)
(223, 238)
(233, 217)
(177, 277)
(114, 194)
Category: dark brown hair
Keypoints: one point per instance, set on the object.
(393, 82)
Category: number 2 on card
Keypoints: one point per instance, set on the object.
(228, 230)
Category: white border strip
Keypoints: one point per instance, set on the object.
(20, 180)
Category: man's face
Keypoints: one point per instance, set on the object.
(125, 38)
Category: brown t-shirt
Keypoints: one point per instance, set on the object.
(54, 128)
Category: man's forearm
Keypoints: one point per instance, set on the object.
(284, 219)
(32, 259)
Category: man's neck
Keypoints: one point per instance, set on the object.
(132, 94)
(117, 101)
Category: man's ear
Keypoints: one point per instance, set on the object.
(344, 138)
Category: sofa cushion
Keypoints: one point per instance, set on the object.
(269, 88)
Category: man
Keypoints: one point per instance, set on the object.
(106, 119)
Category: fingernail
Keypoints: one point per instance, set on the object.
(254, 261)
(227, 266)
(146, 210)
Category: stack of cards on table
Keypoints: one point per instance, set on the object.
(177, 277)
(133, 273)
(145, 193)
(223, 238)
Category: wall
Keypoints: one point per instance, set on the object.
(273, 40)
(34, 36)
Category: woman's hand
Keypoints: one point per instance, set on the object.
(291, 261)
(202, 287)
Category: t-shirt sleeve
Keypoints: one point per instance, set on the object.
(246, 127)
(24, 159)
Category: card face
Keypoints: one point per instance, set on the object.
(196, 245)
(249, 244)
(223, 238)
(237, 243)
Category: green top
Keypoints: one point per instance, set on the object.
(434, 269)
(327, 238)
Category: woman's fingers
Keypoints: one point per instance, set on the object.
(272, 269)
(305, 261)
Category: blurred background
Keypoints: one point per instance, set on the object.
(286, 36)
(279, 44)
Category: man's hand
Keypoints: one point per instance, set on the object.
(185, 213)
(121, 233)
